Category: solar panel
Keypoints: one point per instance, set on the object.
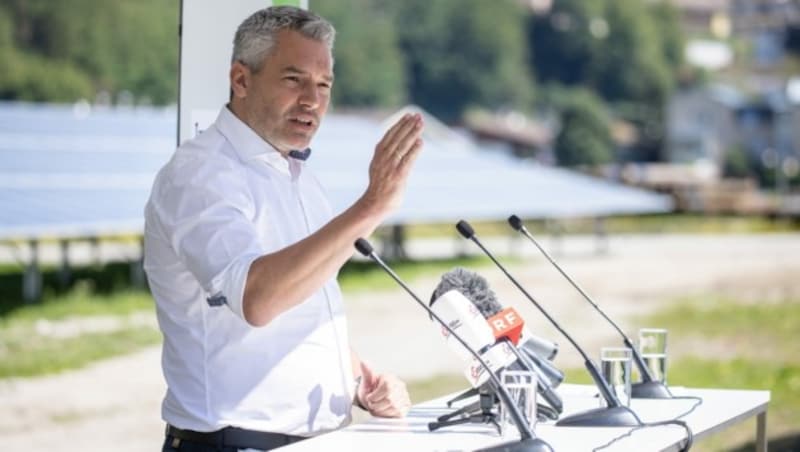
(78, 172)
(71, 172)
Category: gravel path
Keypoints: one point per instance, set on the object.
(114, 404)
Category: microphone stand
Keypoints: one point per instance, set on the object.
(614, 414)
(465, 414)
(648, 388)
(528, 441)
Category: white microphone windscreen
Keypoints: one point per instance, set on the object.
(465, 319)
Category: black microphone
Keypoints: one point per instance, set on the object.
(614, 414)
(528, 441)
(648, 388)
(476, 289)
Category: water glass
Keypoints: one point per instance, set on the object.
(615, 366)
(653, 347)
(521, 386)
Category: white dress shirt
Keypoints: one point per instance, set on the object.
(225, 198)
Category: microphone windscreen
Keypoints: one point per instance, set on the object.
(363, 247)
(515, 222)
(462, 317)
(465, 229)
(473, 286)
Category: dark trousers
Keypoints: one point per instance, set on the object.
(188, 446)
(173, 444)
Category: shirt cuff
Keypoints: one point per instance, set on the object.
(228, 286)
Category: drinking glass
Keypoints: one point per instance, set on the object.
(653, 347)
(521, 386)
(615, 366)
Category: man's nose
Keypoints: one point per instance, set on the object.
(310, 97)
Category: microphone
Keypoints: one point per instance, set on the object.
(506, 325)
(528, 441)
(614, 414)
(648, 388)
(464, 319)
(477, 290)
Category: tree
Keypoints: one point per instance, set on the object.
(63, 51)
(584, 138)
(463, 53)
(368, 61)
(628, 52)
(562, 46)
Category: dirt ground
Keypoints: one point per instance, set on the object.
(115, 404)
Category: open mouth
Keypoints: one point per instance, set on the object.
(302, 121)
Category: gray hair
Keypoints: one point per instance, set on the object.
(256, 36)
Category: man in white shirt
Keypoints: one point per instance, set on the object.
(242, 252)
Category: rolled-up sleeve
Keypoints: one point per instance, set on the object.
(209, 225)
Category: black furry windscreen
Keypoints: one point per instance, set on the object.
(473, 286)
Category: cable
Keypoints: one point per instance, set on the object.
(675, 421)
(686, 447)
(699, 401)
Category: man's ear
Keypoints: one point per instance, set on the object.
(240, 79)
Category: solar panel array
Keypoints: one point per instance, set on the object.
(80, 171)
(77, 171)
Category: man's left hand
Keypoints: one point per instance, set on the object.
(383, 395)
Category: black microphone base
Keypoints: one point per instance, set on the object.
(525, 445)
(650, 390)
(618, 416)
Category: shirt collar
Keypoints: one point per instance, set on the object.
(249, 146)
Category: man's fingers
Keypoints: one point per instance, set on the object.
(405, 136)
(390, 134)
(411, 156)
(380, 391)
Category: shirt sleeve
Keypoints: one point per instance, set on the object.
(208, 222)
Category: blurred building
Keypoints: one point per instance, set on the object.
(761, 26)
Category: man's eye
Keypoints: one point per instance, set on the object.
(292, 78)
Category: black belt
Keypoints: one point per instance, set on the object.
(235, 437)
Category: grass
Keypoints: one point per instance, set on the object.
(82, 301)
(431, 388)
(648, 224)
(27, 348)
(31, 355)
(362, 276)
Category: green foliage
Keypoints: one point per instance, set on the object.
(463, 53)
(446, 56)
(64, 51)
(561, 45)
(584, 138)
(628, 52)
(736, 163)
(369, 64)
